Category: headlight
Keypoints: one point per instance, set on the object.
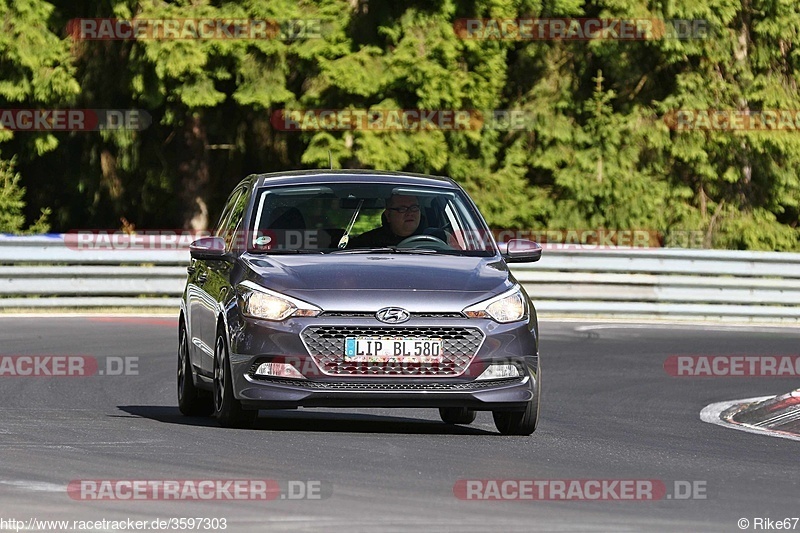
(257, 302)
(507, 307)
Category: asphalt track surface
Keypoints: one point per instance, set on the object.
(610, 411)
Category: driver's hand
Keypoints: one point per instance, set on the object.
(452, 241)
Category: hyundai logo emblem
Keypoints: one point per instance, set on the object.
(393, 315)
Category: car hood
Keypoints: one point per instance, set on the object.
(371, 281)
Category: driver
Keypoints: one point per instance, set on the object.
(401, 220)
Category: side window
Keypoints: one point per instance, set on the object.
(226, 213)
(234, 223)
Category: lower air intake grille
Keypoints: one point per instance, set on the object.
(393, 386)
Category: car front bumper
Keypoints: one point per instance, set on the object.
(259, 341)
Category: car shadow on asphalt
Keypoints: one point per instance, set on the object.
(312, 421)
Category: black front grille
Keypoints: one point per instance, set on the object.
(326, 345)
(393, 386)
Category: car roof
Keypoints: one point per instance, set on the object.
(350, 176)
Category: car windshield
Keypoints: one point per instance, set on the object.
(352, 218)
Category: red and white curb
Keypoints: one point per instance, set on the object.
(722, 413)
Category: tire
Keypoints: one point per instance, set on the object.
(457, 415)
(227, 409)
(521, 422)
(192, 401)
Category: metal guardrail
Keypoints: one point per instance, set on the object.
(666, 283)
(45, 272)
(53, 272)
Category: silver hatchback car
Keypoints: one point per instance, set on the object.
(357, 289)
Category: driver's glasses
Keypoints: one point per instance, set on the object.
(404, 209)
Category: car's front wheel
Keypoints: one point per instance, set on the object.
(457, 415)
(227, 409)
(192, 401)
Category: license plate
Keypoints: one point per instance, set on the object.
(392, 350)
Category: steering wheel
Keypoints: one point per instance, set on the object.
(424, 241)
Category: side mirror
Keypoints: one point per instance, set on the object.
(520, 251)
(208, 248)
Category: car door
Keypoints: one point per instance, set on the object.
(202, 305)
(218, 284)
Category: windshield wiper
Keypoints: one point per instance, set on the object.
(286, 251)
(384, 250)
(426, 251)
(381, 250)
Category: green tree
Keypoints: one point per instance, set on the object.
(597, 152)
(12, 195)
(35, 71)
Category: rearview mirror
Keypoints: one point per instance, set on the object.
(208, 248)
(520, 251)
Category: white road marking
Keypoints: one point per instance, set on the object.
(89, 315)
(36, 486)
(679, 325)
